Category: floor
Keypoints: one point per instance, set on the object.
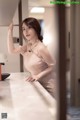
(73, 113)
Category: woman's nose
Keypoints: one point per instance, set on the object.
(26, 30)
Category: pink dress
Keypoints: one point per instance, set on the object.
(35, 65)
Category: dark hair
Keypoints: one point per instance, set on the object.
(33, 22)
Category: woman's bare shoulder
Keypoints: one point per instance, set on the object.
(41, 45)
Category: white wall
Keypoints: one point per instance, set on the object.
(51, 30)
(12, 63)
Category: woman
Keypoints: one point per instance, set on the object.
(37, 59)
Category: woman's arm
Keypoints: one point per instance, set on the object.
(44, 53)
(10, 44)
(40, 75)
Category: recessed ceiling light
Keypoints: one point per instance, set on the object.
(37, 10)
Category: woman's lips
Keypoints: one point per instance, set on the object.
(27, 35)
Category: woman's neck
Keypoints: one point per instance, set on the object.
(33, 41)
(32, 44)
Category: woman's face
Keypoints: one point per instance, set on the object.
(28, 32)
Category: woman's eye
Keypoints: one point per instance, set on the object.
(29, 27)
(26, 29)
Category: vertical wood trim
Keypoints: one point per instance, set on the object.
(0, 72)
(62, 63)
(20, 33)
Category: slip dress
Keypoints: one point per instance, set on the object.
(35, 64)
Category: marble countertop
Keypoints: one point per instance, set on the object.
(22, 100)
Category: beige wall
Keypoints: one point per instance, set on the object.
(51, 30)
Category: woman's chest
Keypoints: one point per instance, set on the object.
(34, 63)
(32, 58)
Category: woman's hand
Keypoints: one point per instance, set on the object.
(32, 78)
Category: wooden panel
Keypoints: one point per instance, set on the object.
(0, 71)
(62, 63)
